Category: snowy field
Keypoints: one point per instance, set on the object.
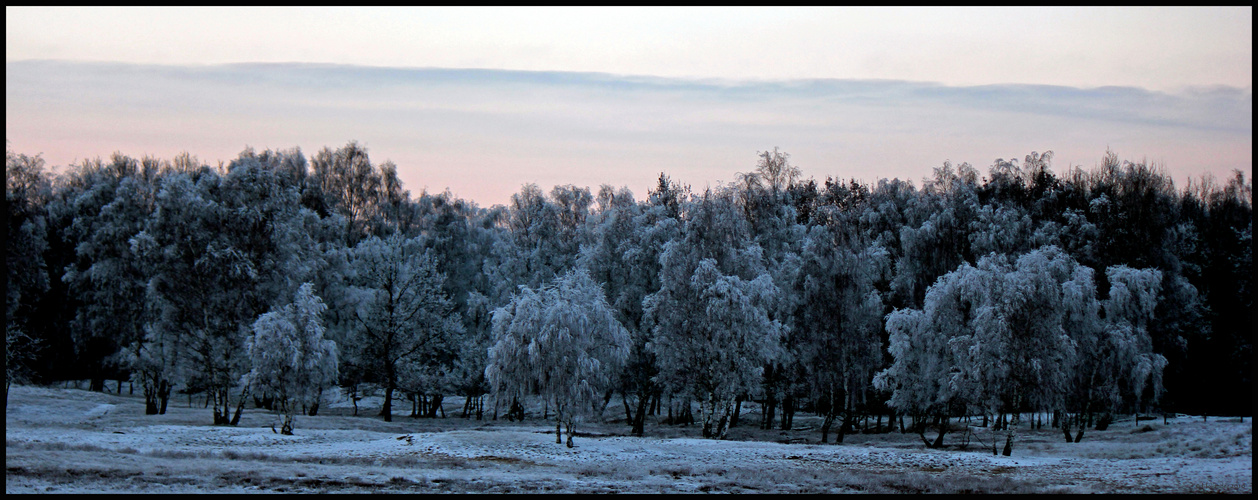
(75, 441)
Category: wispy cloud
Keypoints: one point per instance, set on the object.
(483, 133)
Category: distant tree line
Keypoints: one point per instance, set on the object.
(272, 277)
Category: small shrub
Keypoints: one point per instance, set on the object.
(588, 471)
(678, 471)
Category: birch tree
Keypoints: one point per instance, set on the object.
(564, 341)
(402, 320)
(289, 358)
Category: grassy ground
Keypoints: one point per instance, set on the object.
(69, 440)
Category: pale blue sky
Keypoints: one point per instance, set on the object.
(695, 92)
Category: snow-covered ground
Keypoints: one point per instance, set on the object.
(69, 440)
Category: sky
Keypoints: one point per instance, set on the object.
(483, 100)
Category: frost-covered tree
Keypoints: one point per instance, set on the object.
(564, 341)
(836, 339)
(1003, 229)
(713, 333)
(461, 237)
(221, 250)
(775, 170)
(921, 378)
(623, 255)
(1001, 337)
(110, 279)
(1116, 365)
(934, 238)
(765, 197)
(990, 339)
(402, 321)
(290, 360)
(710, 320)
(108, 205)
(345, 182)
(26, 190)
(713, 336)
(186, 292)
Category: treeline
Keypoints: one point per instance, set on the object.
(1081, 294)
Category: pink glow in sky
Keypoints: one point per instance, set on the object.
(863, 93)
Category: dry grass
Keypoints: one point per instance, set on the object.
(181, 452)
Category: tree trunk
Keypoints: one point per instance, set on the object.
(770, 404)
(640, 419)
(572, 427)
(943, 429)
(624, 400)
(607, 399)
(1065, 428)
(150, 399)
(434, 406)
(387, 411)
(220, 412)
(706, 410)
(825, 427)
(722, 424)
(286, 427)
(559, 435)
(845, 423)
(738, 408)
(1008, 444)
(240, 407)
(788, 411)
(314, 409)
(516, 412)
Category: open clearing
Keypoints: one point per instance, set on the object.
(75, 441)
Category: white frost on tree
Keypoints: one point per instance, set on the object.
(836, 338)
(1026, 336)
(710, 319)
(1006, 346)
(290, 359)
(564, 341)
(712, 338)
(403, 322)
